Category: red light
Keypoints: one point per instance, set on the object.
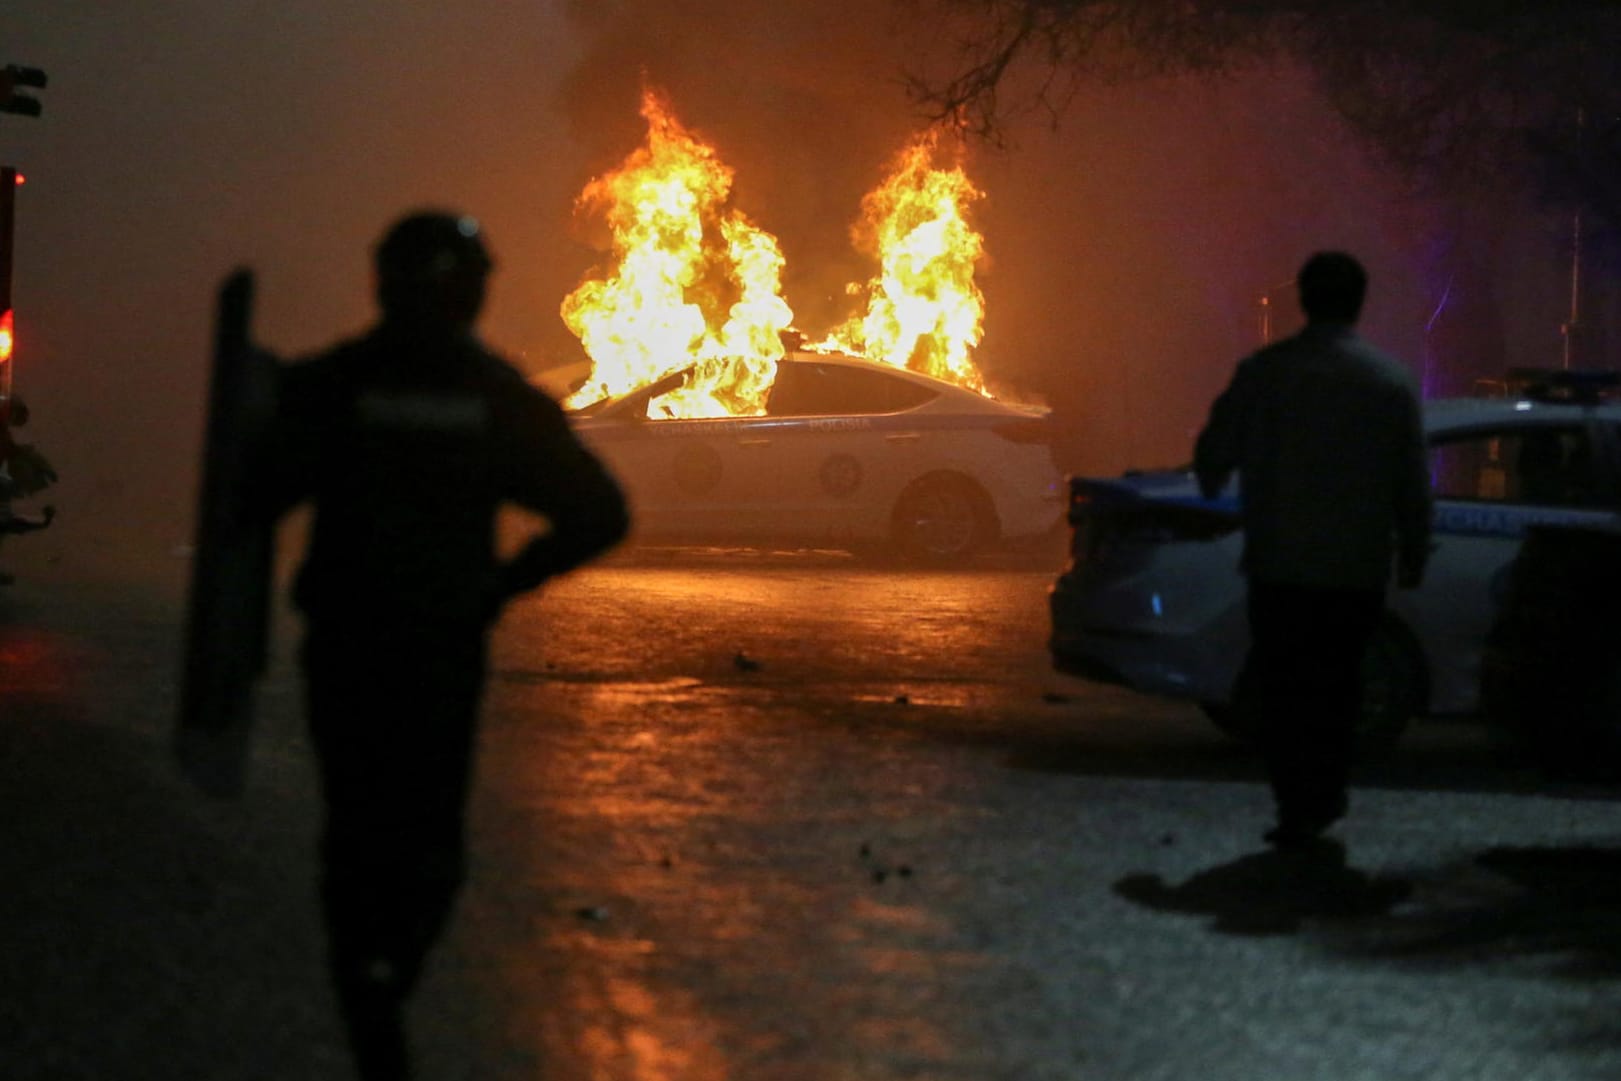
(21, 180)
(5, 336)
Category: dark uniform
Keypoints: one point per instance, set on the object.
(407, 441)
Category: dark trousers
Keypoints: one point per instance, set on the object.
(1304, 678)
(392, 712)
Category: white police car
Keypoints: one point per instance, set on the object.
(1153, 598)
(848, 454)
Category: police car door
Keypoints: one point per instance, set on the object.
(840, 446)
(1490, 485)
(692, 480)
(687, 480)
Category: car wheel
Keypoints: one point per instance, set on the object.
(1393, 691)
(1231, 719)
(942, 518)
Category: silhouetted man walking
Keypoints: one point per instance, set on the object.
(407, 440)
(1326, 435)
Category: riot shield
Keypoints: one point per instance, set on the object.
(228, 607)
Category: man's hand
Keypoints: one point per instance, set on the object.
(1410, 567)
(494, 602)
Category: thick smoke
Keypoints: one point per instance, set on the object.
(1128, 247)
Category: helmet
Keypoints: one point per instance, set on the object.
(432, 265)
(433, 245)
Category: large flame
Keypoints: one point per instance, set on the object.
(924, 311)
(692, 281)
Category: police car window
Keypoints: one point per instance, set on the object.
(810, 390)
(1551, 467)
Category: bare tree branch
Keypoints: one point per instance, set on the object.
(1447, 90)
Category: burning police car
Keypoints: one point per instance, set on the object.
(1153, 598)
(847, 453)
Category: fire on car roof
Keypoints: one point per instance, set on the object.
(692, 282)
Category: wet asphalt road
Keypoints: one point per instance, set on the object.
(779, 817)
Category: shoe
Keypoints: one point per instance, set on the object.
(1295, 832)
(1301, 827)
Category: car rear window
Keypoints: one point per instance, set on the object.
(1550, 466)
(803, 390)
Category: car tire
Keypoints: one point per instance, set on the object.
(1393, 688)
(1393, 693)
(1231, 719)
(942, 518)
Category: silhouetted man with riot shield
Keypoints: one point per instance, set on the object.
(406, 441)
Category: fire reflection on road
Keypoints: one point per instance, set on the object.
(803, 625)
(706, 871)
(33, 664)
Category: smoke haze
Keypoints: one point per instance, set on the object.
(1128, 248)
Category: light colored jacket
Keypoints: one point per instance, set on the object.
(1326, 435)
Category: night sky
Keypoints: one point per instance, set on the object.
(1128, 245)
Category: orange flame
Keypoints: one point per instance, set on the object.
(924, 310)
(693, 280)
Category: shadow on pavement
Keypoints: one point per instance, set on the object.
(1537, 912)
(1272, 892)
(1456, 760)
(1542, 912)
(1560, 906)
